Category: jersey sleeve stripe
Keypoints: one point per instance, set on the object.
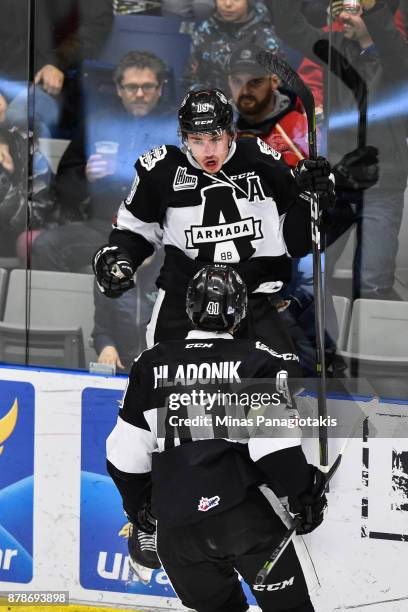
(152, 232)
(261, 447)
(129, 448)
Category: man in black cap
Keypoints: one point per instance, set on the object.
(266, 110)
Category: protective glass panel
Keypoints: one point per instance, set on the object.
(107, 84)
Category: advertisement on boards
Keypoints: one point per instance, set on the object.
(16, 481)
(104, 561)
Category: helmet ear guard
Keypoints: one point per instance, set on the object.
(216, 299)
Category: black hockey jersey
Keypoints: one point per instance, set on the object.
(194, 425)
(249, 214)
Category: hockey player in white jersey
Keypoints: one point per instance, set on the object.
(180, 462)
(214, 200)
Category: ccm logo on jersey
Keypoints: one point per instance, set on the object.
(265, 148)
(277, 586)
(150, 159)
(206, 503)
(199, 345)
(284, 356)
(182, 180)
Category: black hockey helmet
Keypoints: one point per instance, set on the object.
(216, 298)
(205, 110)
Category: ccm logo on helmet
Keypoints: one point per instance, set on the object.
(277, 586)
(203, 122)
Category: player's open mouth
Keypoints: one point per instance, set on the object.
(210, 164)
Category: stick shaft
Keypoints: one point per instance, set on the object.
(291, 531)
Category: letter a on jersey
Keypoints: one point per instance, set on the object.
(255, 191)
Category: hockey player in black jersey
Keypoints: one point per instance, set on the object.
(200, 479)
(214, 200)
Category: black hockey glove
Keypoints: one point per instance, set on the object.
(358, 169)
(314, 176)
(310, 505)
(143, 557)
(113, 270)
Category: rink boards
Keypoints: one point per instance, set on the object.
(62, 527)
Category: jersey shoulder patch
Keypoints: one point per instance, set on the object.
(267, 149)
(149, 159)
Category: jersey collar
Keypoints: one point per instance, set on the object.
(196, 334)
(196, 165)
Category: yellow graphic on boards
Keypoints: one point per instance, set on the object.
(8, 423)
(125, 531)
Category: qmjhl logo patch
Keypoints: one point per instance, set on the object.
(207, 503)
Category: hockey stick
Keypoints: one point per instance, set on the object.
(291, 531)
(340, 66)
(279, 67)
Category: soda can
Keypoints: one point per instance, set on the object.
(351, 6)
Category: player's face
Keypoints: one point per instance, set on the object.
(139, 90)
(354, 27)
(209, 150)
(232, 10)
(251, 94)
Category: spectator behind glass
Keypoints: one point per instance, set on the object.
(44, 210)
(66, 33)
(370, 44)
(189, 9)
(97, 167)
(234, 23)
(120, 325)
(264, 109)
(268, 111)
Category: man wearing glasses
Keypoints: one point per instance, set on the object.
(97, 167)
(139, 79)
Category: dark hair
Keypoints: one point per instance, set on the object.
(141, 60)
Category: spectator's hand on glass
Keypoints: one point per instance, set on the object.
(110, 356)
(5, 158)
(51, 79)
(97, 167)
(3, 108)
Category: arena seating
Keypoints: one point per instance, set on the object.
(58, 309)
